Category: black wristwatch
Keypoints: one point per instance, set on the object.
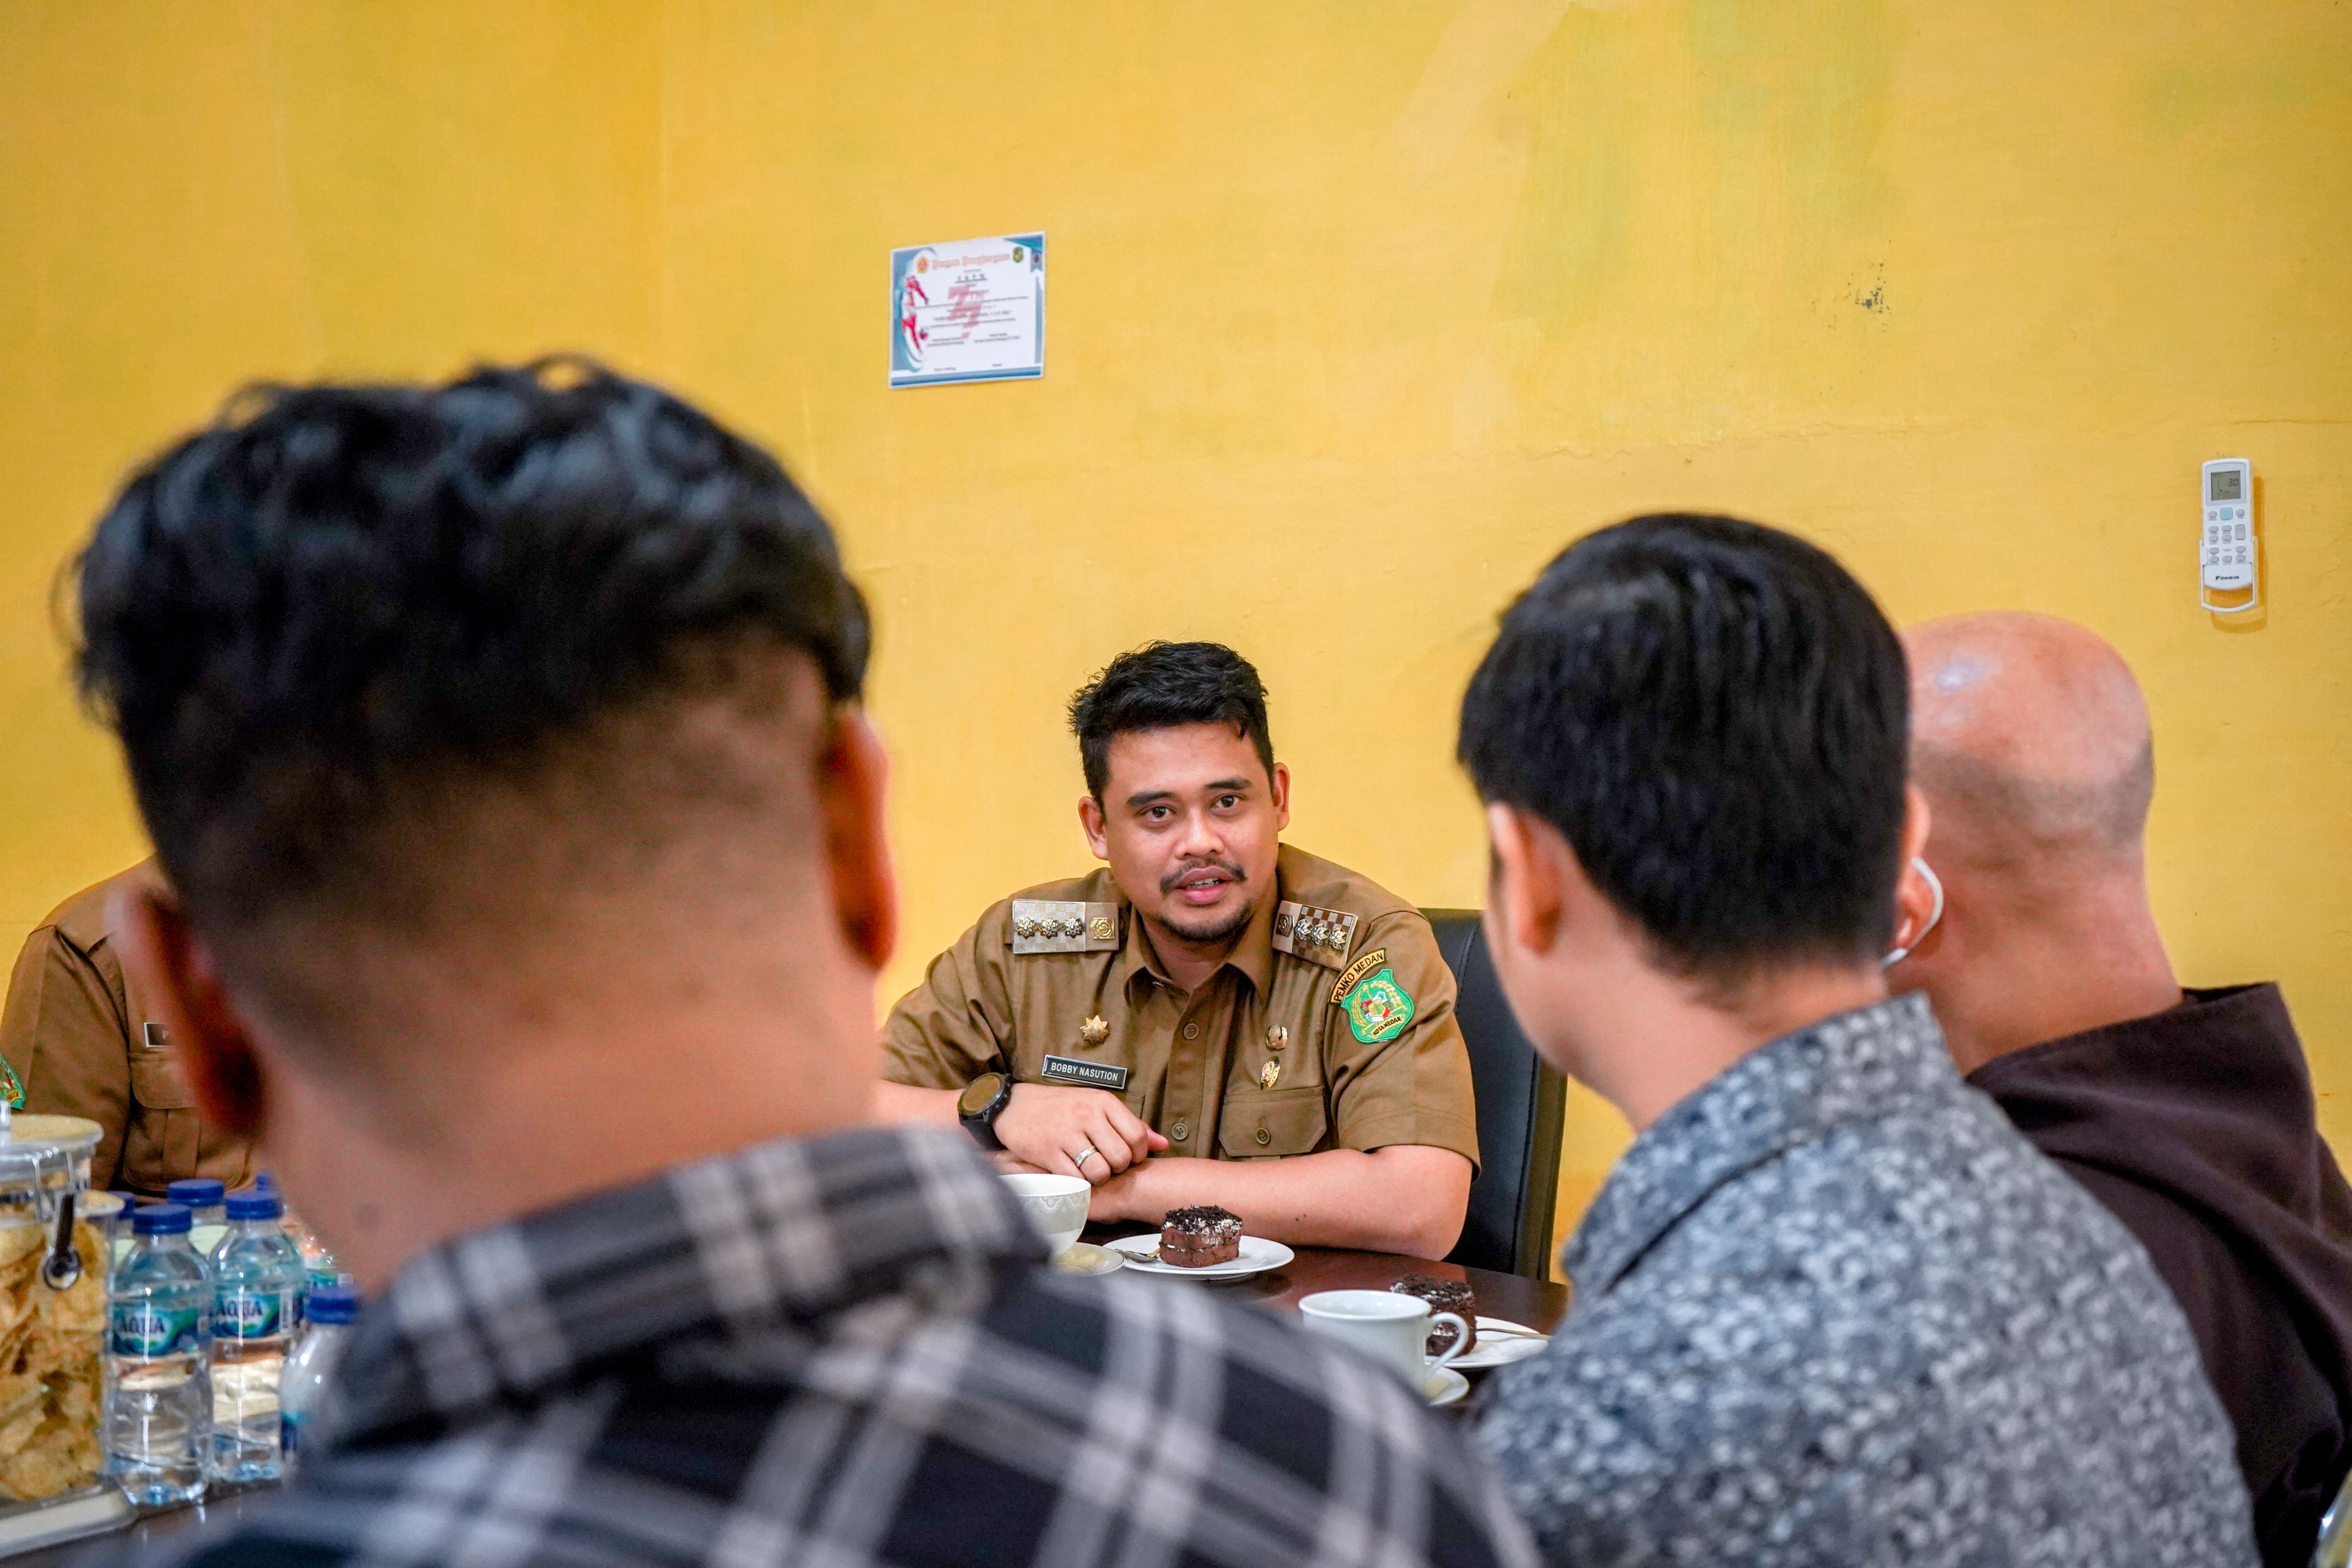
(980, 1104)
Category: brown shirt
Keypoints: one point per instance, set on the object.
(1331, 1026)
(82, 1043)
(2198, 1129)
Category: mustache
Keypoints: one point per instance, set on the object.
(1238, 876)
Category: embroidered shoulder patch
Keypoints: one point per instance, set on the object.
(1355, 971)
(12, 1086)
(1379, 1008)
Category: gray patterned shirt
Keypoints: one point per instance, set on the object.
(1832, 1308)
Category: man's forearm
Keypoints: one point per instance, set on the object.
(904, 1102)
(1408, 1198)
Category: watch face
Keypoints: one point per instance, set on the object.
(978, 1093)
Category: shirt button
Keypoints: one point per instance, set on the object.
(1179, 1131)
(1264, 1136)
(1191, 1031)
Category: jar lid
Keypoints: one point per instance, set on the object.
(74, 1134)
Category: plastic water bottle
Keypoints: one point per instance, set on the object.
(203, 1198)
(319, 1265)
(310, 1370)
(256, 1305)
(159, 1401)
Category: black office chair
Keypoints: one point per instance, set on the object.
(1521, 1103)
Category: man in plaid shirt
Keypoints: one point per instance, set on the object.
(502, 744)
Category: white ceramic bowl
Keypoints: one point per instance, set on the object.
(1056, 1205)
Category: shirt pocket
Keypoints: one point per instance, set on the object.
(1262, 1123)
(156, 1081)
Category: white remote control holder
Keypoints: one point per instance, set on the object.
(2229, 554)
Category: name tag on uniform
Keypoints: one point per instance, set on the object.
(155, 1036)
(1090, 1075)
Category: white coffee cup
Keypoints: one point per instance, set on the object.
(1389, 1326)
(1056, 1205)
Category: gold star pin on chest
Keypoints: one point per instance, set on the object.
(1095, 1030)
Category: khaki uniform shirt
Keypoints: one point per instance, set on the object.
(81, 1042)
(1331, 1026)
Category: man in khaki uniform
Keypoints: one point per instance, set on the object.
(80, 1041)
(1212, 992)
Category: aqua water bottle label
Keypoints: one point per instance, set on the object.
(143, 1329)
(253, 1314)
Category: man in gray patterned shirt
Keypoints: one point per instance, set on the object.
(1830, 1307)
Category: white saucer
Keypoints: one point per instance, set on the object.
(1258, 1255)
(1444, 1385)
(1086, 1257)
(1506, 1347)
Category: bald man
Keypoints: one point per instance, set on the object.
(2187, 1114)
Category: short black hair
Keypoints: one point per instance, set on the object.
(336, 593)
(1163, 684)
(1714, 715)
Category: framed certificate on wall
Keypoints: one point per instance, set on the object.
(970, 310)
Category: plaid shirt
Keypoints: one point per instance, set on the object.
(844, 1352)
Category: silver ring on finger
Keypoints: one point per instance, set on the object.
(1078, 1161)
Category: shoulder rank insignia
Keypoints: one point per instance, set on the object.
(1057, 925)
(1319, 936)
(1378, 1007)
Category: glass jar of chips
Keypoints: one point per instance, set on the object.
(53, 1271)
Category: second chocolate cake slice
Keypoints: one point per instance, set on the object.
(1443, 1296)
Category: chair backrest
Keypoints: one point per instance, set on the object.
(1521, 1102)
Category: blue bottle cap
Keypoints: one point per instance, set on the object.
(196, 1192)
(254, 1203)
(265, 1181)
(332, 1304)
(160, 1219)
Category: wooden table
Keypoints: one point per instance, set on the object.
(1537, 1303)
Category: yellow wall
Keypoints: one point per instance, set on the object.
(1358, 312)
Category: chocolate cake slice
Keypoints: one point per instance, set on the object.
(1197, 1237)
(1443, 1296)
